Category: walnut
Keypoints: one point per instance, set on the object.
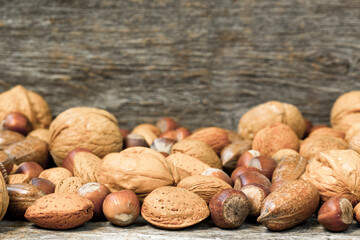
(335, 172)
(353, 137)
(83, 127)
(346, 111)
(32, 105)
(269, 113)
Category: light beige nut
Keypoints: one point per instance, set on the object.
(187, 165)
(198, 150)
(328, 132)
(41, 133)
(32, 105)
(82, 127)
(289, 168)
(56, 174)
(204, 186)
(174, 208)
(148, 131)
(17, 178)
(216, 138)
(86, 166)
(9, 137)
(69, 185)
(283, 153)
(353, 137)
(4, 197)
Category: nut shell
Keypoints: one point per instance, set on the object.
(9, 137)
(230, 154)
(327, 132)
(256, 194)
(353, 137)
(69, 185)
(216, 138)
(290, 168)
(56, 174)
(187, 165)
(4, 197)
(148, 131)
(41, 133)
(45, 185)
(86, 166)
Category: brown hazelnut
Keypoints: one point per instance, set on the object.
(166, 123)
(45, 185)
(169, 134)
(31, 169)
(121, 208)
(230, 154)
(266, 165)
(229, 208)
(135, 140)
(16, 122)
(124, 132)
(240, 170)
(218, 173)
(357, 213)
(308, 127)
(68, 162)
(277, 184)
(163, 145)
(182, 133)
(336, 214)
(246, 157)
(256, 193)
(96, 193)
(249, 178)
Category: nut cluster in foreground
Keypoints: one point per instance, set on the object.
(276, 169)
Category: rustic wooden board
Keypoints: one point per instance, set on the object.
(204, 62)
(143, 231)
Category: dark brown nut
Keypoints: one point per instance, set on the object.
(17, 178)
(163, 145)
(135, 140)
(68, 161)
(29, 150)
(218, 173)
(166, 124)
(256, 194)
(45, 185)
(21, 197)
(229, 208)
(290, 168)
(240, 170)
(121, 208)
(124, 132)
(230, 154)
(7, 163)
(96, 193)
(9, 137)
(308, 126)
(245, 158)
(16, 122)
(289, 206)
(266, 165)
(336, 214)
(31, 169)
(182, 133)
(249, 178)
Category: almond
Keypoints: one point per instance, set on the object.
(9, 137)
(71, 185)
(216, 138)
(17, 178)
(174, 208)
(290, 168)
(86, 165)
(55, 175)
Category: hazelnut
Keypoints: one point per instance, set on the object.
(163, 145)
(239, 170)
(266, 165)
(31, 169)
(121, 208)
(169, 134)
(246, 157)
(124, 132)
(229, 208)
(45, 185)
(256, 193)
(249, 178)
(182, 133)
(68, 162)
(230, 154)
(166, 123)
(336, 214)
(357, 213)
(218, 173)
(135, 140)
(16, 122)
(308, 127)
(96, 193)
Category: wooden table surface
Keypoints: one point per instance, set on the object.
(142, 230)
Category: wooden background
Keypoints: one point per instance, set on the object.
(203, 62)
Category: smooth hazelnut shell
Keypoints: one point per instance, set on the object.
(336, 214)
(218, 173)
(182, 133)
(249, 178)
(166, 124)
(256, 193)
(229, 208)
(121, 208)
(169, 134)
(31, 169)
(266, 165)
(68, 162)
(163, 145)
(135, 140)
(246, 157)
(45, 185)
(124, 132)
(240, 170)
(96, 193)
(357, 213)
(16, 122)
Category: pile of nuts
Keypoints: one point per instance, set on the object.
(277, 169)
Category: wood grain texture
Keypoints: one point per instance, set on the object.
(203, 62)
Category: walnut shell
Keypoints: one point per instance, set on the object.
(32, 105)
(41, 133)
(353, 137)
(138, 169)
(346, 111)
(199, 150)
(269, 113)
(187, 165)
(311, 146)
(328, 132)
(90, 128)
(216, 138)
(335, 172)
(86, 166)
(9, 137)
(4, 197)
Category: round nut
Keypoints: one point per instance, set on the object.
(166, 124)
(68, 161)
(249, 178)
(45, 185)
(215, 172)
(31, 169)
(135, 140)
(240, 170)
(16, 122)
(256, 193)
(245, 158)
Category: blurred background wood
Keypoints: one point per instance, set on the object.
(203, 62)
